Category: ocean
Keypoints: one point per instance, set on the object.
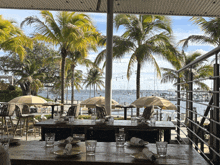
(124, 97)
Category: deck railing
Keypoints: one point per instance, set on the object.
(196, 129)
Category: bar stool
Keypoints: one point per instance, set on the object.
(7, 110)
(25, 116)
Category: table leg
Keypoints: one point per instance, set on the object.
(26, 128)
(167, 135)
(125, 113)
(52, 106)
(42, 133)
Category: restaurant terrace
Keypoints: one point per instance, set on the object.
(193, 151)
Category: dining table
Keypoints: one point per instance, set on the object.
(106, 153)
(87, 124)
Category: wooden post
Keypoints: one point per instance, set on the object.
(108, 72)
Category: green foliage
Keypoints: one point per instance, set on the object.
(7, 95)
(38, 117)
(84, 117)
(13, 39)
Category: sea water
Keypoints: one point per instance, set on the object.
(123, 97)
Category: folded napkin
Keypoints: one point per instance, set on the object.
(4, 156)
(137, 141)
(68, 149)
(69, 139)
(148, 154)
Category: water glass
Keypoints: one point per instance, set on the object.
(161, 148)
(133, 120)
(49, 139)
(111, 120)
(93, 118)
(152, 120)
(71, 119)
(120, 139)
(5, 143)
(90, 147)
(56, 117)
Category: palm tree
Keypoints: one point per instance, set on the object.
(199, 70)
(211, 29)
(145, 36)
(94, 78)
(70, 31)
(29, 81)
(13, 39)
(75, 58)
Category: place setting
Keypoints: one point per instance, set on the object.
(136, 142)
(9, 139)
(68, 150)
(69, 140)
(146, 154)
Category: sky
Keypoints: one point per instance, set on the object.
(182, 28)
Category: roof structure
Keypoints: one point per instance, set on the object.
(209, 8)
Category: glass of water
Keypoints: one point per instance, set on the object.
(5, 143)
(161, 148)
(120, 139)
(90, 147)
(49, 139)
(153, 120)
(93, 118)
(133, 120)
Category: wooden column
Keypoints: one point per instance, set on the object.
(108, 71)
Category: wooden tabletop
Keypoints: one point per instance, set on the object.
(116, 124)
(34, 152)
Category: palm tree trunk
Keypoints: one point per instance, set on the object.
(138, 85)
(72, 85)
(90, 92)
(63, 53)
(94, 90)
(67, 95)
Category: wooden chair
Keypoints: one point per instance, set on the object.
(101, 112)
(6, 111)
(148, 112)
(73, 110)
(26, 117)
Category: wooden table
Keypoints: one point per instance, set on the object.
(46, 104)
(34, 153)
(167, 126)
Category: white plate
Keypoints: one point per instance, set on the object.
(60, 153)
(131, 144)
(72, 142)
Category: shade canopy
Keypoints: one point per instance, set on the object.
(156, 101)
(161, 7)
(28, 99)
(92, 102)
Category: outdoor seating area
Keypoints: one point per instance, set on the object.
(108, 82)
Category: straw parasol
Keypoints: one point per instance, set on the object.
(156, 101)
(28, 99)
(92, 102)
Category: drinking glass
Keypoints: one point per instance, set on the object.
(111, 120)
(5, 143)
(93, 117)
(153, 120)
(90, 147)
(120, 139)
(133, 120)
(49, 139)
(161, 148)
(71, 119)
